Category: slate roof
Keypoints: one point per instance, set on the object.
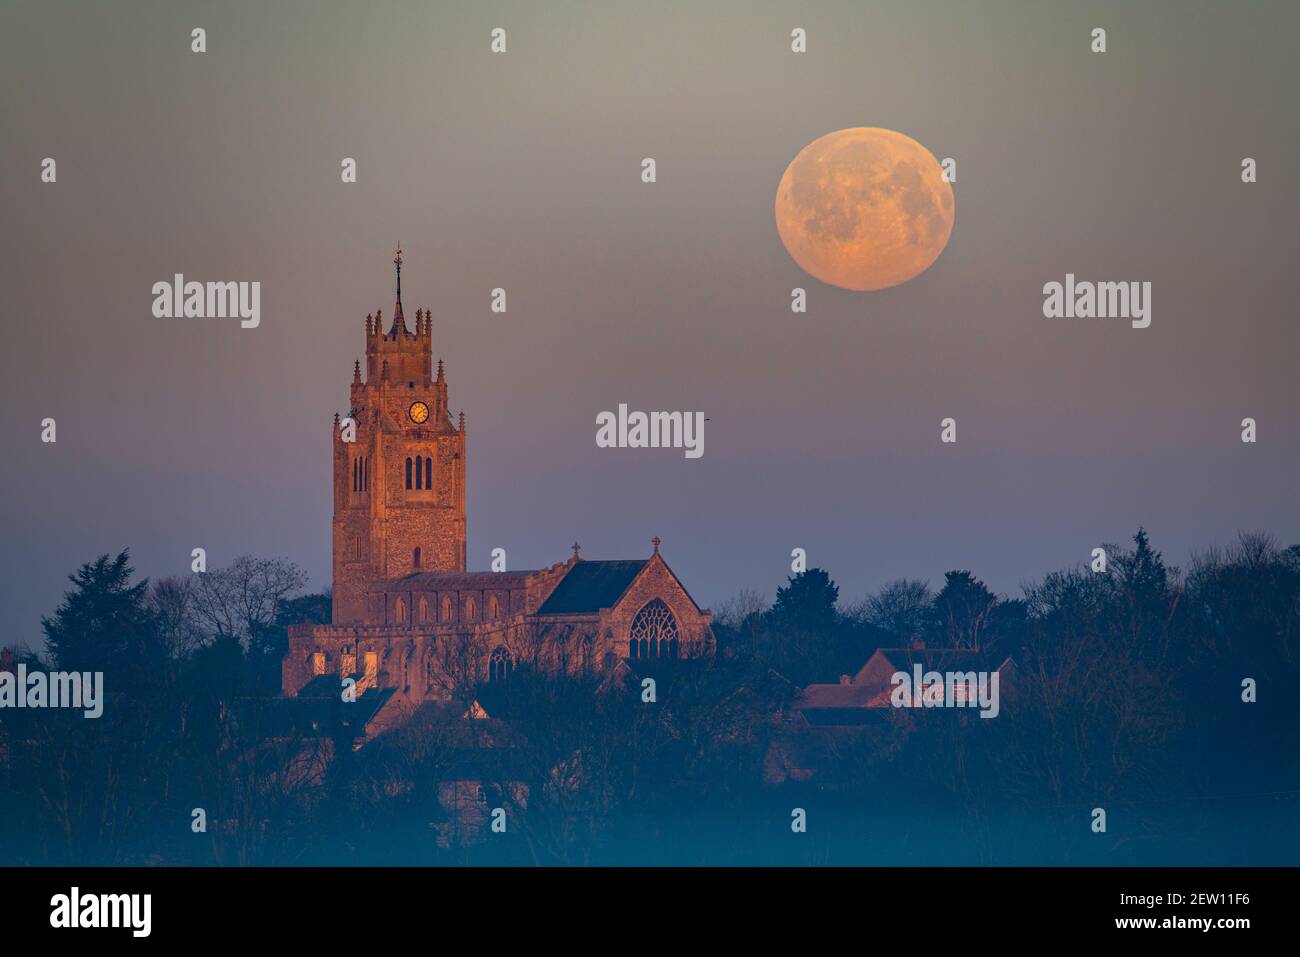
(591, 586)
(315, 714)
(325, 686)
(467, 581)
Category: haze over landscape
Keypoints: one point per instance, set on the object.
(522, 171)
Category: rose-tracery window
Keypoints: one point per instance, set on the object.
(653, 633)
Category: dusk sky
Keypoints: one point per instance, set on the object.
(522, 171)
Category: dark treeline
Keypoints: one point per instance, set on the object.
(1128, 696)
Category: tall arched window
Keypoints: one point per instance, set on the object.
(356, 475)
(419, 474)
(415, 558)
(365, 473)
(401, 610)
(470, 608)
(653, 632)
(408, 473)
(424, 609)
(493, 608)
(428, 472)
(446, 608)
(500, 665)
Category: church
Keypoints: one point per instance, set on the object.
(410, 622)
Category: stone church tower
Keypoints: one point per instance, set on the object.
(412, 626)
(399, 488)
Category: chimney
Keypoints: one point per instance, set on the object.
(846, 680)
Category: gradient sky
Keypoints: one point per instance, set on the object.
(523, 171)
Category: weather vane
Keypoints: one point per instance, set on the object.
(398, 263)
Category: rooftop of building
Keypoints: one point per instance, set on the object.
(591, 586)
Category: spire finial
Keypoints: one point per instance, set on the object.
(397, 261)
(399, 320)
(655, 541)
(576, 548)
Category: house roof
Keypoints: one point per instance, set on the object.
(843, 717)
(325, 686)
(939, 659)
(312, 715)
(590, 586)
(836, 696)
(867, 688)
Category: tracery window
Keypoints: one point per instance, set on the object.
(500, 664)
(653, 633)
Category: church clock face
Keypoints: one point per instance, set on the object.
(419, 412)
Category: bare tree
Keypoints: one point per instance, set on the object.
(900, 608)
(242, 600)
(740, 610)
(171, 600)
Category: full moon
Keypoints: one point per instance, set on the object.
(864, 208)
